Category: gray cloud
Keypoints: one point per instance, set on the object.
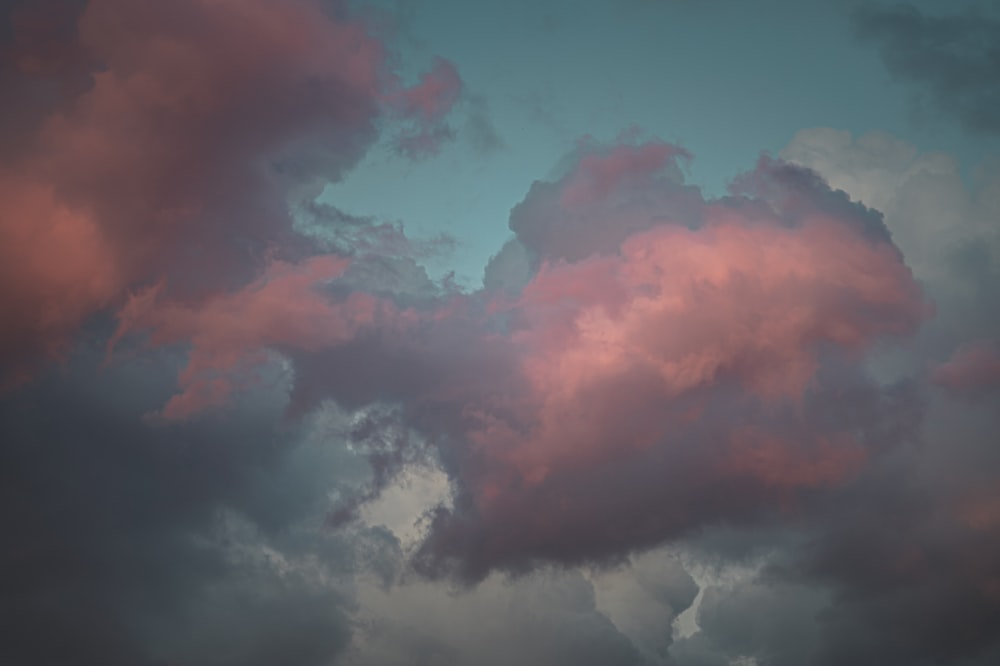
(953, 60)
(133, 543)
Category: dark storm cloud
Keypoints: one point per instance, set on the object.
(131, 543)
(953, 59)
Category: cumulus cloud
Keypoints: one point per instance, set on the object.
(945, 228)
(608, 194)
(907, 548)
(352, 463)
(175, 153)
(677, 359)
(689, 346)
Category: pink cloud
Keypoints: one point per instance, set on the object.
(597, 176)
(607, 196)
(174, 163)
(685, 360)
(57, 268)
(972, 369)
(229, 335)
(751, 305)
(683, 370)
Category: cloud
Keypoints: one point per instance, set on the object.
(608, 194)
(424, 142)
(951, 59)
(706, 357)
(944, 227)
(174, 148)
(905, 549)
(551, 617)
(672, 363)
(972, 368)
(644, 598)
(694, 345)
(188, 544)
(597, 176)
(673, 356)
(644, 366)
(596, 383)
(427, 103)
(431, 99)
(753, 618)
(281, 309)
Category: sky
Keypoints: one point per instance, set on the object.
(429, 332)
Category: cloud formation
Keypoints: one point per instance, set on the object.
(679, 360)
(972, 368)
(677, 355)
(766, 418)
(952, 59)
(907, 548)
(228, 333)
(176, 150)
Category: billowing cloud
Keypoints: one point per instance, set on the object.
(176, 156)
(675, 356)
(691, 354)
(908, 548)
(671, 428)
